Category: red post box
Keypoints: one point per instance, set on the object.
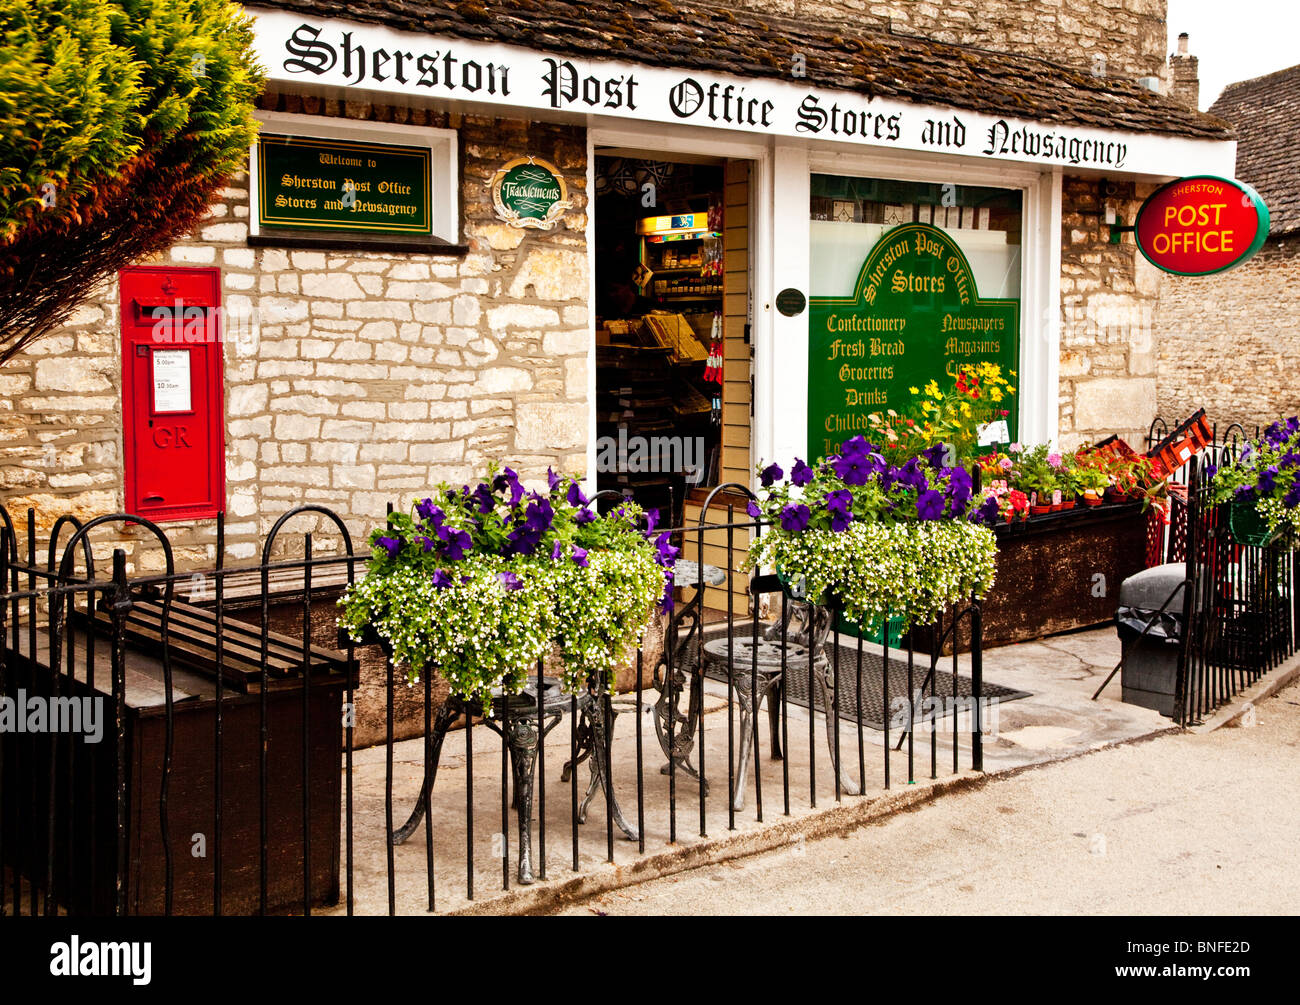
(173, 435)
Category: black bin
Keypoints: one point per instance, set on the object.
(1150, 673)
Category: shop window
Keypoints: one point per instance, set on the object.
(909, 282)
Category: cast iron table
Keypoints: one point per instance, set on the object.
(679, 667)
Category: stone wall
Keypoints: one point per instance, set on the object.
(1130, 34)
(1229, 343)
(370, 377)
(1108, 301)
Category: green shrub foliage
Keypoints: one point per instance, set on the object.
(119, 123)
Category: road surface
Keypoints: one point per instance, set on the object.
(1181, 824)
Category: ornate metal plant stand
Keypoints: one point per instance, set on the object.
(516, 717)
(592, 744)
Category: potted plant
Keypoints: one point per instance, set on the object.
(1066, 486)
(1259, 485)
(1091, 483)
(954, 416)
(1037, 478)
(480, 583)
(879, 540)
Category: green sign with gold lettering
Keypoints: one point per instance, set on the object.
(312, 183)
(914, 316)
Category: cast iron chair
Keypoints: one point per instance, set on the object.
(762, 671)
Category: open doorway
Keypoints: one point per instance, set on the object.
(672, 300)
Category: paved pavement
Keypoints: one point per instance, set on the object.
(1178, 824)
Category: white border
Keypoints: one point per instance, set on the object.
(444, 164)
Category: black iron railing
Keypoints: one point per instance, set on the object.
(1238, 601)
(227, 781)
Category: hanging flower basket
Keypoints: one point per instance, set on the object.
(479, 584)
(1248, 527)
(891, 544)
(1261, 486)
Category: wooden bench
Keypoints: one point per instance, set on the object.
(192, 643)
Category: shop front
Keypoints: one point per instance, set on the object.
(652, 262)
(772, 261)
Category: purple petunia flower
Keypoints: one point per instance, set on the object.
(959, 488)
(392, 545)
(857, 461)
(584, 516)
(482, 497)
(771, 473)
(988, 511)
(929, 505)
(441, 579)
(1267, 480)
(426, 544)
(1292, 498)
(509, 479)
(910, 474)
(753, 509)
(576, 496)
(651, 520)
(794, 518)
(509, 580)
(665, 551)
(455, 543)
(552, 479)
(430, 512)
(839, 504)
(579, 556)
(935, 455)
(801, 474)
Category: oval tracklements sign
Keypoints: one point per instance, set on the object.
(530, 192)
(1201, 225)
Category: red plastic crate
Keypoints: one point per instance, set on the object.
(1188, 439)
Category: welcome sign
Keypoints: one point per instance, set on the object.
(915, 315)
(312, 183)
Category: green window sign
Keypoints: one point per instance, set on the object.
(310, 183)
(913, 316)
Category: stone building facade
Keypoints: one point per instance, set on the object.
(370, 376)
(367, 377)
(1229, 343)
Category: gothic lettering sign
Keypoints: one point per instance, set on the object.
(1202, 225)
(314, 183)
(530, 192)
(374, 59)
(913, 316)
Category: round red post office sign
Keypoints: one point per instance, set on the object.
(1201, 225)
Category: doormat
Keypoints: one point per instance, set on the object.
(873, 687)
